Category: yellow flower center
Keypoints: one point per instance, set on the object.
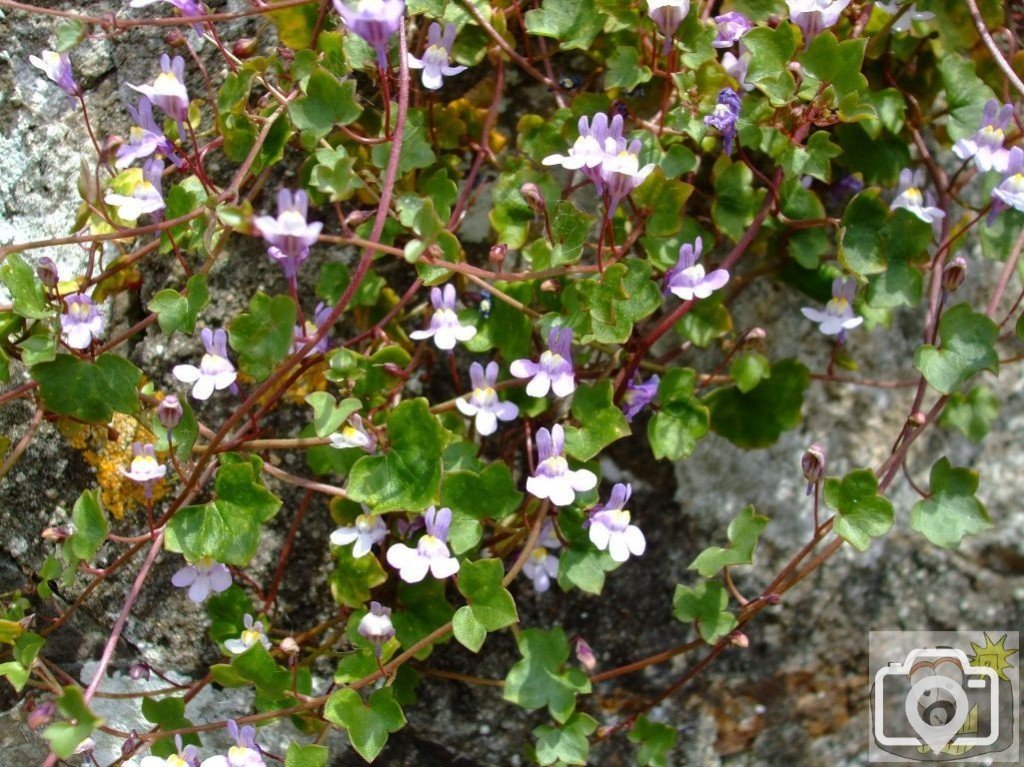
(80, 311)
(166, 80)
(539, 554)
(914, 195)
(250, 637)
(176, 761)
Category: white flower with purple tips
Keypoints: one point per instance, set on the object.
(588, 152)
(445, 327)
(483, 403)
(610, 527)
(57, 67)
(813, 16)
(668, 15)
(146, 197)
(554, 369)
(203, 578)
(245, 752)
(215, 371)
(838, 316)
(145, 468)
(621, 170)
(186, 756)
(541, 566)
(376, 21)
(1010, 193)
(986, 146)
(365, 533)
(376, 626)
(687, 279)
(436, 64)
(731, 27)
(290, 235)
(168, 90)
(81, 322)
(553, 478)
(145, 138)
(431, 552)
(910, 197)
(354, 434)
(252, 634)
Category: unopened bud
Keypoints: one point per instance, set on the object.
(244, 48)
(739, 639)
(773, 599)
(55, 534)
(175, 38)
(139, 671)
(753, 338)
(170, 411)
(41, 715)
(584, 654)
(531, 193)
(131, 744)
(289, 646)
(813, 463)
(549, 286)
(498, 253)
(954, 274)
(916, 419)
(46, 270)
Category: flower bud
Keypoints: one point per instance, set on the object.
(531, 193)
(954, 274)
(753, 339)
(550, 286)
(584, 654)
(773, 599)
(916, 420)
(813, 463)
(55, 534)
(139, 671)
(289, 646)
(739, 639)
(175, 38)
(498, 253)
(46, 270)
(131, 744)
(41, 715)
(169, 411)
(376, 625)
(244, 48)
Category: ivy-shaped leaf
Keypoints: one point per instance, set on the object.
(605, 309)
(681, 421)
(973, 414)
(541, 679)
(574, 23)
(368, 724)
(306, 756)
(601, 421)
(656, 742)
(326, 104)
(758, 418)
(967, 347)
(177, 313)
(625, 70)
(263, 336)
(567, 744)
(91, 392)
(491, 606)
(65, 737)
(328, 415)
(26, 290)
(743, 533)
(863, 514)
(951, 511)
(475, 496)
(90, 527)
(704, 605)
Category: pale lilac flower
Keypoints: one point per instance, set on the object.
(57, 67)
(435, 62)
(245, 752)
(203, 578)
(584, 653)
(375, 21)
(911, 198)
(621, 171)
(483, 401)
(986, 146)
(731, 27)
(187, 756)
(687, 279)
(813, 16)
(541, 566)
(146, 197)
(431, 553)
(354, 434)
(376, 626)
(554, 479)
(145, 468)
(252, 634)
(145, 138)
(610, 526)
(444, 327)
(367, 531)
(725, 115)
(289, 235)
(188, 8)
(668, 15)
(215, 370)
(588, 153)
(908, 18)
(168, 90)
(303, 334)
(638, 395)
(1010, 193)
(838, 316)
(736, 68)
(554, 370)
(82, 322)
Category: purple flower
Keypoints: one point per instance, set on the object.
(638, 395)
(435, 62)
(553, 371)
(1010, 193)
(145, 468)
(289, 235)
(215, 370)
(145, 138)
(610, 526)
(736, 68)
(668, 15)
(908, 18)
(911, 198)
(431, 553)
(252, 634)
(304, 334)
(838, 316)
(541, 566)
(444, 328)
(725, 115)
(621, 171)
(186, 7)
(81, 322)
(687, 280)
(376, 626)
(588, 152)
(986, 146)
(187, 756)
(245, 752)
(483, 402)
(168, 90)
(146, 197)
(375, 21)
(554, 479)
(812, 16)
(365, 533)
(57, 67)
(354, 434)
(731, 27)
(203, 578)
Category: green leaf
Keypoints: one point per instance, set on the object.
(65, 737)
(178, 313)
(624, 69)
(328, 415)
(906, 241)
(169, 713)
(771, 50)
(306, 756)
(835, 63)
(584, 567)
(749, 369)
(227, 528)
(663, 200)
(90, 526)
(656, 742)
(570, 228)
(491, 604)
(328, 103)
(951, 511)
(295, 25)
(706, 606)
(605, 310)
(335, 278)
(87, 391)
(227, 612)
(759, 417)
(334, 174)
(567, 744)
(541, 679)
(257, 665)
(416, 150)
(26, 290)
(474, 496)
(863, 514)
(968, 347)
(966, 95)
(354, 577)
(862, 236)
(736, 201)
(682, 420)
(973, 414)
(423, 609)
(743, 533)
(601, 421)
(469, 631)
(263, 336)
(368, 726)
(574, 23)
(69, 34)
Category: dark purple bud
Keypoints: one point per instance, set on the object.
(169, 411)
(813, 463)
(773, 599)
(41, 715)
(139, 671)
(584, 654)
(954, 274)
(131, 744)
(244, 48)
(46, 269)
